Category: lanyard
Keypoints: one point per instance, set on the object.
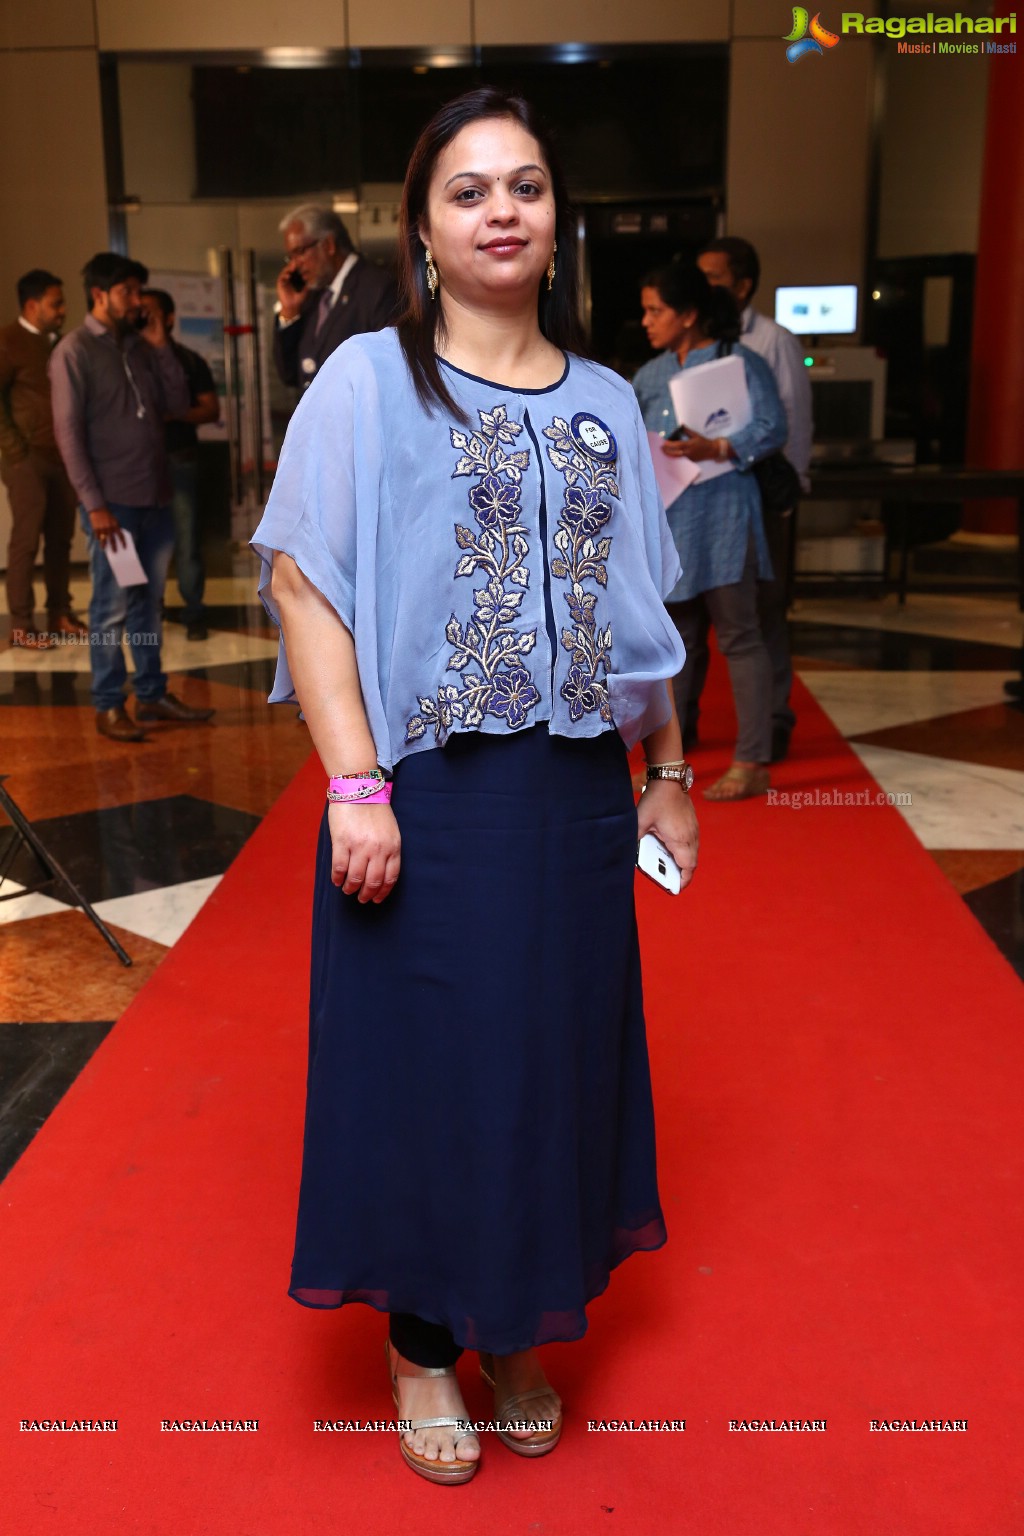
(140, 409)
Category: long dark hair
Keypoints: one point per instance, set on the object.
(682, 285)
(421, 325)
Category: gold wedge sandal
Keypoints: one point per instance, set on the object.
(740, 781)
(434, 1471)
(512, 1411)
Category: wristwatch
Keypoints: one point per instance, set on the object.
(683, 775)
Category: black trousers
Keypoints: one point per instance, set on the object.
(422, 1343)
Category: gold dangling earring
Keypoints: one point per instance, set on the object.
(551, 266)
(432, 277)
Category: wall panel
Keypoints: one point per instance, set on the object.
(47, 24)
(601, 21)
(190, 26)
(409, 23)
(932, 155)
(798, 162)
(53, 212)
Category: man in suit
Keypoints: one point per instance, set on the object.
(326, 292)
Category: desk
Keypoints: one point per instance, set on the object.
(902, 487)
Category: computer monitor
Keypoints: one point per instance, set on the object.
(818, 309)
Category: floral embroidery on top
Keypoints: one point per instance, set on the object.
(487, 650)
(582, 553)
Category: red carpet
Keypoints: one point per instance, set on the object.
(836, 1049)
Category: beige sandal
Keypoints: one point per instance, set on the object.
(436, 1471)
(739, 783)
(511, 1411)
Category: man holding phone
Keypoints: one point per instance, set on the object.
(113, 380)
(326, 292)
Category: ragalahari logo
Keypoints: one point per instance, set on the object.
(800, 43)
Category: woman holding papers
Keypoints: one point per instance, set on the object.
(718, 421)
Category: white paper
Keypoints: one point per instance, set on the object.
(125, 562)
(673, 475)
(712, 399)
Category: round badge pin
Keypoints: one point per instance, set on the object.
(593, 438)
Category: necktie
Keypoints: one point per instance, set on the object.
(326, 302)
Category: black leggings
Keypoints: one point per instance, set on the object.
(422, 1343)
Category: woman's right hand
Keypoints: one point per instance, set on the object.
(365, 850)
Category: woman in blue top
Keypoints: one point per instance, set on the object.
(716, 524)
(465, 550)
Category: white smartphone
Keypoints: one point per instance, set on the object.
(654, 860)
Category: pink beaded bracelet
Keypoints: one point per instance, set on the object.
(367, 788)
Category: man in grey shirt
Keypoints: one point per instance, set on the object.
(112, 388)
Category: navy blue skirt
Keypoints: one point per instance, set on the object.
(479, 1138)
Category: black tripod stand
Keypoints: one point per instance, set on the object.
(53, 874)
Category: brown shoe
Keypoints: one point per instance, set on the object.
(31, 640)
(68, 624)
(118, 725)
(170, 708)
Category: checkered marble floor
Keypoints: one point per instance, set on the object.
(147, 831)
(919, 692)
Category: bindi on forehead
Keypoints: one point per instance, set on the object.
(520, 170)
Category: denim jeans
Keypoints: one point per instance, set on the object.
(116, 611)
(188, 559)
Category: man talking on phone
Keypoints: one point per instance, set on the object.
(113, 381)
(326, 292)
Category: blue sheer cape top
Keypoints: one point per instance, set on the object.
(494, 574)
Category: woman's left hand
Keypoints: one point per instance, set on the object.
(693, 446)
(667, 810)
